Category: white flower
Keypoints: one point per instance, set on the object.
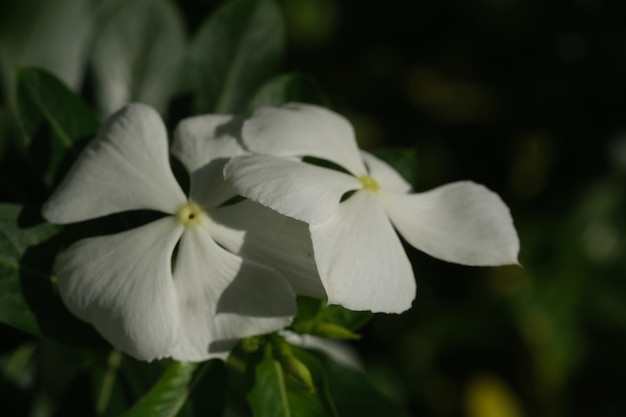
(361, 261)
(144, 297)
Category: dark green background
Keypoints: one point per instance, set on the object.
(527, 98)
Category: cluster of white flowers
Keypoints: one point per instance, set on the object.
(215, 269)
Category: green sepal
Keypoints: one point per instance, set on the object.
(329, 321)
(292, 367)
(277, 393)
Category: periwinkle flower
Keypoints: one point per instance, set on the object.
(360, 258)
(146, 298)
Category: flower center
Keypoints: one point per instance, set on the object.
(369, 183)
(189, 214)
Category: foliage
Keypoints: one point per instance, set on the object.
(543, 340)
(137, 48)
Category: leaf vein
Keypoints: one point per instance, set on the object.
(18, 249)
(61, 133)
(12, 264)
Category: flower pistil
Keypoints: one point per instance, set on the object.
(369, 183)
(189, 214)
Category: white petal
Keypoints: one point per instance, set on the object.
(305, 192)
(122, 284)
(125, 168)
(201, 139)
(361, 260)
(223, 297)
(267, 237)
(462, 222)
(387, 177)
(304, 130)
(208, 187)
(204, 144)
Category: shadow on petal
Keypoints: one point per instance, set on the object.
(208, 187)
(222, 346)
(231, 128)
(264, 236)
(258, 292)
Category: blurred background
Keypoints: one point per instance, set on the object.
(525, 97)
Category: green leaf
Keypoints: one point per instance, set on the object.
(14, 243)
(239, 47)
(53, 120)
(136, 53)
(354, 394)
(331, 321)
(168, 396)
(277, 394)
(52, 35)
(42, 96)
(28, 298)
(12, 174)
(403, 160)
(349, 319)
(287, 88)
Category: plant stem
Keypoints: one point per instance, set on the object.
(113, 364)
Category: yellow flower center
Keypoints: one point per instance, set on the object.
(369, 183)
(189, 214)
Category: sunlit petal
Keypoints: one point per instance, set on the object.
(122, 284)
(267, 237)
(360, 258)
(304, 130)
(462, 222)
(305, 192)
(125, 168)
(387, 177)
(222, 297)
